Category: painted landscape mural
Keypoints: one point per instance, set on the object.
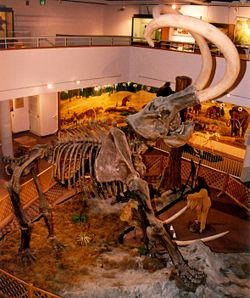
(216, 120)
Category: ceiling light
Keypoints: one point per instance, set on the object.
(174, 6)
(78, 82)
(49, 86)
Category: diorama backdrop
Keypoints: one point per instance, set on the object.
(221, 121)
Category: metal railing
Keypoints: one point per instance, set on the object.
(222, 163)
(13, 287)
(189, 47)
(25, 41)
(63, 41)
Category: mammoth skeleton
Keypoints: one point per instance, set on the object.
(109, 155)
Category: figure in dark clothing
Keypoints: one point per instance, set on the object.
(165, 90)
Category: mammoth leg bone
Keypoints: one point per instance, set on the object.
(26, 228)
(45, 209)
(189, 277)
(114, 162)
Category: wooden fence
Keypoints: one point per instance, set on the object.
(28, 195)
(217, 177)
(13, 287)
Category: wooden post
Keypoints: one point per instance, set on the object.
(30, 290)
(224, 187)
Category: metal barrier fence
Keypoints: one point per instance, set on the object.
(221, 163)
(106, 40)
(63, 41)
(13, 287)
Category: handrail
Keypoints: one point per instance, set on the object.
(11, 286)
(24, 42)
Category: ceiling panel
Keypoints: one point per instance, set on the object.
(155, 2)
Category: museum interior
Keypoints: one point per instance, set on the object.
(124, 148)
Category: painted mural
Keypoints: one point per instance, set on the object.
(242, 31)
(111, 103)
(222, 122)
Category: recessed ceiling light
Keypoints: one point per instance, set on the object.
(78, 82)
(49, 86)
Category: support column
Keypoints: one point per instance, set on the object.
(245, 173)
(5, 129)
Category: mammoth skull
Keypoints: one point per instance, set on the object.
(159, 118)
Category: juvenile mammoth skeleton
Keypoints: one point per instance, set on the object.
(109, 155)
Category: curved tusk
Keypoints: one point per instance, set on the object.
(176, 215)
(205, 239)
(213, 34)
(207, 62)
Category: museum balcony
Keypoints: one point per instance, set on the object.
(22, 42)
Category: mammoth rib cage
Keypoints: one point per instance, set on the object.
(213, 34)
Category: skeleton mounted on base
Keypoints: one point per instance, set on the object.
(110, 157)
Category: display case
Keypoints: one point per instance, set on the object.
(6, 24)
(139, 23)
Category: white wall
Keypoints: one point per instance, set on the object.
(56, 18)
(118, 21)
(216, 14)
(84, 19)
(27, 72)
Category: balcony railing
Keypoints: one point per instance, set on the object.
(104, 40)
(63, 41)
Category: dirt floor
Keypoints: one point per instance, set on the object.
(97, 232)
(84, 242)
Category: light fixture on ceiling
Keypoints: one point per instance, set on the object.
(78, 82)
(49, 86)
(174, 6)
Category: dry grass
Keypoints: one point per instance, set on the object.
(52, 271)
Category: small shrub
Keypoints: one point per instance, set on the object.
(143, 251)
(79, 218)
